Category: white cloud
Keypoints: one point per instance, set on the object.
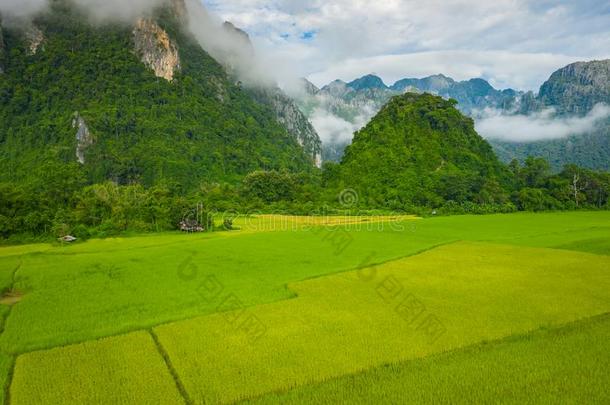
(331, 128)
(98, 10)
(539, 126)
(21, 8)
(542, 35)
(117, 10)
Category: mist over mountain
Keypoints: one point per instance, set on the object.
(574, 106)
(339, 109)
(567, 116)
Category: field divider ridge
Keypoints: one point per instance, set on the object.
(170, 367)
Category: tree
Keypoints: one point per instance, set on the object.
(535, 172)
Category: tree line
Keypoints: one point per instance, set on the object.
(61, 202)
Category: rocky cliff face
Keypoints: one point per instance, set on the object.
(156, 49)
(577, 88)
(286, 110)
(34, 38)
(571, 91)
(84, 139)
(367, 82)
(309, 88)
(290, 116)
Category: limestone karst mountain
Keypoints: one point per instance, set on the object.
(155, 105)
(572, 91)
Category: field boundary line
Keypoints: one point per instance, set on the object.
(482, 344)
(9, 380)
(374, 264)
(170, 367)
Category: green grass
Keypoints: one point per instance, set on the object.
(105, 287)
(8, 265)
(121, 370)
(567, 365)
(342, 324)
(101, 288)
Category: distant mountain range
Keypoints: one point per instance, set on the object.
(339, 108)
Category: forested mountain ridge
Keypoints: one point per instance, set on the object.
(420, 150)
(154, 105)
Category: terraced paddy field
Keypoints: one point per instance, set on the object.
(371, 310)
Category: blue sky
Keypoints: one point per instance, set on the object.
(512, 43)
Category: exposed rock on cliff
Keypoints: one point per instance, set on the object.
(290, 116)
(133, 127)
(577, 88)
(156, 49)
(34, 39)
(286, 111)
(84, 138)
(309, 88)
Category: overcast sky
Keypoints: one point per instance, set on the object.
(512, 43)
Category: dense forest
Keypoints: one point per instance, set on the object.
(419, 155)
(202, 125)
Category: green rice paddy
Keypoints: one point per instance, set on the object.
(317, 312)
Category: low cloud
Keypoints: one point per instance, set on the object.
(333, 129)
(542, 126)
(98, 10)
(512, 43)
(21, 9)
(229, 45)
(117, 10)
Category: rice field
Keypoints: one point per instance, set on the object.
(255, 313)
(551, 365)
(119, 370)
(402, 310)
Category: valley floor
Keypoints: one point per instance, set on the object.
(503, 308)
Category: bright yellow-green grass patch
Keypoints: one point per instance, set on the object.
(357, 320)
(267, 222)
(565, 365)
(120, 370)
(18, 250)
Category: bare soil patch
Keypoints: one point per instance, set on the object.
(11, 298)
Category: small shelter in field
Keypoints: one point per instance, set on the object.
(190, 225)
